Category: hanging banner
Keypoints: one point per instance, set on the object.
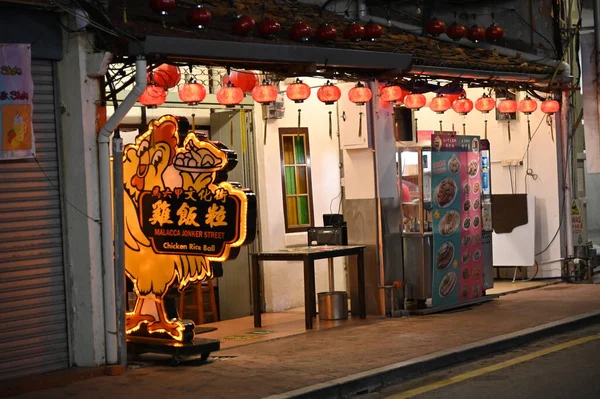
(456, 210)
(16, 102)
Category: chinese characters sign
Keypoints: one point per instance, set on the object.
(181, 215)
(457, 222)
(189, 221)
(16, 104)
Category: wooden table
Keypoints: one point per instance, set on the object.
(308, 255)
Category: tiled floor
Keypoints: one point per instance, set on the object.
(240, 332)
(507, 286)
(276, 366)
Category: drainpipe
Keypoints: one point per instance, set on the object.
(108, 264)
(565, 129)
(364, 16)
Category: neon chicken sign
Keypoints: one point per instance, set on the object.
(180, 216)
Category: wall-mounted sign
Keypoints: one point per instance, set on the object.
(16, 102)
(457, 222)
(180, 215)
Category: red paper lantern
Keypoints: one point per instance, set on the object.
(199, 16)
(245, 80)
(243, 25)
(326, 33)
(456, 31)
(163, 6)
(269, 28)
(391, 93)
(507, 106)
(550, 106)
(354, 32)
(485, 104)
(527, 105)
(415, 101)
(329, 93)
(298, 91)
(165, 75)
(301, 32)
(453, 97)
(360, 94)
(373, 31)
(440, 104)
(494, 32)
(192, 92)
(153, 96)
(435, 27)
(463, 105)
(476, 33)
(230, 95)
(265, 93)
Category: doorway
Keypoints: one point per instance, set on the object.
(234, 128)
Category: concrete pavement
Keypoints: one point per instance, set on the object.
(282, 367)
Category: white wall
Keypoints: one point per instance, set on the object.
(284, 281)
(542, 159)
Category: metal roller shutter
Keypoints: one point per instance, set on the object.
(33, 315)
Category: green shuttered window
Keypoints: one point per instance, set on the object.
(295, 173)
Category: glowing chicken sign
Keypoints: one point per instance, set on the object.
(180, 215)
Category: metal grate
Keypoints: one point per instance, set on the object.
(33, 315)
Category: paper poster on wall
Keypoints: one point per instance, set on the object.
(456, 210)
(16, 102)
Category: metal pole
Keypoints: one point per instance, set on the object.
(565, 128)
(118, 213)
(331, 280)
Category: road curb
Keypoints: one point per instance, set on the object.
(378, 378)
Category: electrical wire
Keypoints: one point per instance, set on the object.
(62, 196)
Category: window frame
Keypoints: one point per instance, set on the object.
(303, 131)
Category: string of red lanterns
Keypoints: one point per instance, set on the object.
(265, 93)
(392, 93)
(192, 93)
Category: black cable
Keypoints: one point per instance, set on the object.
(61, 195)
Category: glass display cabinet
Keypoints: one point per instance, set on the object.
(414, 175)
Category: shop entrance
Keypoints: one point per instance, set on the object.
(234, 129)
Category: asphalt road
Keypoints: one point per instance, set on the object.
(565, 366)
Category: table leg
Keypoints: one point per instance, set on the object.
(309, 293)
(362, 305)
(256, 302)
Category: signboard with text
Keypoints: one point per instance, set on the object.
(456, 209)
(16, 102)
(181, 216)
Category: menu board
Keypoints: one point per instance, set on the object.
(456, 210)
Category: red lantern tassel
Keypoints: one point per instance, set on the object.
(528, 128)
(549, 122)
(330, 126)
(416, 131)
(509, 131)
(231, 133)
(265, 119)
(485, 129)
(441, 128)
(299, 118)
(360, 124)
(243, 131)
(464, 129)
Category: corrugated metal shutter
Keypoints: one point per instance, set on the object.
(33, 315)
